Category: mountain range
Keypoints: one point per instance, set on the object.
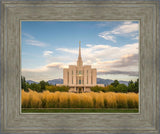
(99, 81)
(31, 81)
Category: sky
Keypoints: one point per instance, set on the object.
(112, 47)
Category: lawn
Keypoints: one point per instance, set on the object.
(77, 110)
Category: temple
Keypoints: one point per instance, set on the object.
(80, 78)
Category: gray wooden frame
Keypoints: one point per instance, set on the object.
(145, 121)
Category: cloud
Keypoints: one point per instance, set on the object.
(102, 52)
(45, 68)
(30, 40)
(102, 24)
(115, 72)
(136, 38)
(128, 28)
(107, 36)
(105, 57)
(35, 43)
(47, 72)
(47, 53)
(88, 45)
(67, 50)
(28, 35)
(122, 63)
(55, 65)
(127, 60)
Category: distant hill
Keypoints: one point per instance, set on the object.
(104, 81)
(31, 81)
(109, 81)
(99, 81)
(55, 81)
(124, 82)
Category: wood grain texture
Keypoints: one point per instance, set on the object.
(146, 121)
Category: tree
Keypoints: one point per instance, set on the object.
(23, 84)
(130, 82)
(42, 85)
(35, 87)
(121, 88)
(136, 86)
(131, 86)
(115, 83)
(111, 88)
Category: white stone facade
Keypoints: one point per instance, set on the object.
(80, 77)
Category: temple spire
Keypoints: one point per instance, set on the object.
(79, 61)
(79, 49)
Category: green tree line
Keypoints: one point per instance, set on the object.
(117, 87)
(42, 86)
(113, 87)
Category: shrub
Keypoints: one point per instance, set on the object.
(53, 88)
(96, 89)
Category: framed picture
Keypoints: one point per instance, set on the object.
(80, 66)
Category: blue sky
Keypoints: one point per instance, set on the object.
(50, 46)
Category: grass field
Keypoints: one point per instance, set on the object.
(91, 100)
(77, 110)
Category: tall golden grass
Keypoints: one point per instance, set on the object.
(47, 99)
